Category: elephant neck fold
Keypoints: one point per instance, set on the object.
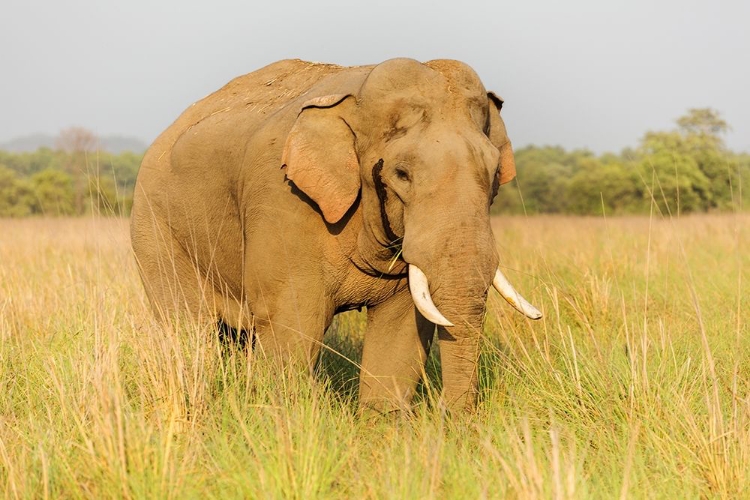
(396, 268)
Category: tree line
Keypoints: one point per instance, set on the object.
(687, 169)
(74, 178)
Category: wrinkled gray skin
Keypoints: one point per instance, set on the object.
(284, 197)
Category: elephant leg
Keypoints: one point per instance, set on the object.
(397, 342)
(174, 286)
(292, 332)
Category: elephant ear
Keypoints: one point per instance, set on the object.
(499, 137)
(319, 156)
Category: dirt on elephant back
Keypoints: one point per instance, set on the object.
(266, 88)
(286, 83)
(279, 83)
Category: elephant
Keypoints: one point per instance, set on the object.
(304, 189)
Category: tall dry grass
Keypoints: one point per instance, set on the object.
(635, 384)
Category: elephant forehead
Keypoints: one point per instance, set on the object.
(400, 74)
(442, 116)
(444, 147)
(411, 106)
(403, 94)
(464, 85)
(460, 76)
(405, 82)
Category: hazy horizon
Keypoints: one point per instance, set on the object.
(580, 75)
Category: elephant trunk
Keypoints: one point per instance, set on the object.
(459, 354)
(463, 300)
(455, 275)
(453, 260)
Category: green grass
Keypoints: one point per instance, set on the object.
(636, 384)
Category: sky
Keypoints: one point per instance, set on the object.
(593, 74)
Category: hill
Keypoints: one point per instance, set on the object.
(113, 143)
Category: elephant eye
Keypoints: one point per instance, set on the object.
(402, 174)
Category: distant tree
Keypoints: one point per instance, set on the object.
(53, 193)
(76, 140)
(14, 161)
(102, 195)
(702, 130)
(43, 159)
(678, 183)
(543, 176)
(610, 188)
(78, 143)
(544, 186)
(695, 144)
(14, 194)
(509, 199)
(703, 121)
(124, 168)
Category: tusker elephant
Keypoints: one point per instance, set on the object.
(303, 189)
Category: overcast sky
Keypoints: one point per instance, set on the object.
(578, 73)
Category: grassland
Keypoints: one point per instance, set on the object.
(636, 384)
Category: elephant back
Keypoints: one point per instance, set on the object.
(253, 96)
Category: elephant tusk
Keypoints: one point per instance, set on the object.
(420, 293)
(502, 285)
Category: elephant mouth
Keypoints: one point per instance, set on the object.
(420, 294)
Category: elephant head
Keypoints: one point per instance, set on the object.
(425, 148)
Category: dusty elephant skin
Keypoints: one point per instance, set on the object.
(302, 190)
